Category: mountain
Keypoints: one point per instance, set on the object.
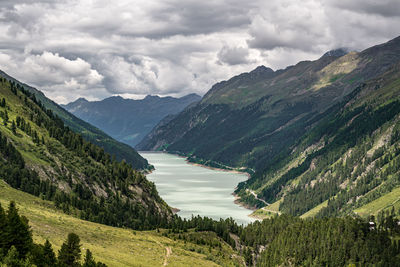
(41, 156)
(349, 163)
(128, 120)
(89, 132)
(291, 128)
(249, 119)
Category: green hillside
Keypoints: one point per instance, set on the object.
(348, 163)
(276, 241)
(89, 132)
(41, 156)
(116, 246)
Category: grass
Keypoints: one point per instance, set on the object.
(263, 214)
(111, 245)
(386, 201)
(312, 212)
(268, 211)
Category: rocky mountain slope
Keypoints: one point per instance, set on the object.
(89, 132)
(320, 136)
(128, 120)
(251, 118)
(349, 161)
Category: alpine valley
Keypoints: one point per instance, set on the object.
(320, 141)
(320, 138)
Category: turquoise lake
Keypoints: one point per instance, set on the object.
(196, 190)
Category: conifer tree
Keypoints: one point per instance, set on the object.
(5, 118)
(70, 252)
(3, 227)
(18, 232)
(13, 127)
(89, 260)
(49, 258)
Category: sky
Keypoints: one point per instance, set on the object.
(99, 48)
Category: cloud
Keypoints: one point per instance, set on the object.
(384, 8)
(234, 55)
(53, 72)
(98, 48)
(289, 24)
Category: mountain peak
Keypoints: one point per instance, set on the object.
(152, 97)
(81, 100)
(191, 96)
(262, 69)
(339, 52)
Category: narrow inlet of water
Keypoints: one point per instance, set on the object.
(196, 190)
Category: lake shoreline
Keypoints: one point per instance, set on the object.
(236, 199)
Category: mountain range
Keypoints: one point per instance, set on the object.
(294, 128)
(128, 120)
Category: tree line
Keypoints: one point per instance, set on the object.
(17, 248)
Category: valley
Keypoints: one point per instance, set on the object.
(318, 144)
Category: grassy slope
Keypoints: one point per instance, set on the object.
(53, 161)
(387, 201)
(89, 132)
(378, 93)
(113, 246)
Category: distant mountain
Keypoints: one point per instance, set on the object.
(89, 132)
(128, 120)
(321, 137)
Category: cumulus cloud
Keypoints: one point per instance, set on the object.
(98, 48)
(234, 55)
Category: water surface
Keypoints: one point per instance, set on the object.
(196, 190)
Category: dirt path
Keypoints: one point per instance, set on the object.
(273, 211)
(256, 197)
(168, 249)
(169, 252)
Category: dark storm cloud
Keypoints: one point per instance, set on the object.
(197, 17)
(384, 8)
(97, 48)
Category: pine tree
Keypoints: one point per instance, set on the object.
(49, 258)
(13, 127)
(5, 118)
(3, 228)
(70, 252)
(18, 232)
(89, 260)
